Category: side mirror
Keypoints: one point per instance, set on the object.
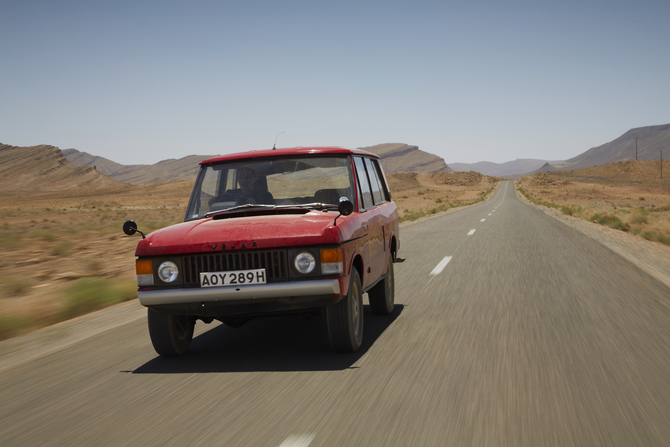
(344, 208)
(130, 228)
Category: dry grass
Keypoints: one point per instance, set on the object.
(59, 248)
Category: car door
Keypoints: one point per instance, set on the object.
(371, 220)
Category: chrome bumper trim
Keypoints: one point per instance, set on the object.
(251, 293)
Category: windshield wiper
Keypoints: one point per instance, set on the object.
(316, 205)
(240, 207)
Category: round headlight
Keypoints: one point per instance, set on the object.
(304, 262)
(168, 271)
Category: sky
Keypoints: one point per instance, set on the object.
(140, 81)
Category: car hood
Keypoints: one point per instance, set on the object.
(246, 232)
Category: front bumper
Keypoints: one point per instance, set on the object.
(240, 294)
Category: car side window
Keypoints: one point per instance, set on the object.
(382, 181)
(363, 183)
(374, 182)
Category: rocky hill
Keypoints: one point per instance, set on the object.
(102, 164)
(650, 140)
(400, 158)
(164, 171)
(44, 168)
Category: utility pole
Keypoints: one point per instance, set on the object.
(661, 164)
(635, 147)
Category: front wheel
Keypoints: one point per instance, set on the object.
(170, 334)
(345, 318)
(382, 295)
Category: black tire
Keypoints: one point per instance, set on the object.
(345, 318)
(382, 295)
(170, 334)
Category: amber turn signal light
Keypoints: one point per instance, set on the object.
(330, 255)
(143, 267)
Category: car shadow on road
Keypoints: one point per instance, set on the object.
(286, 343)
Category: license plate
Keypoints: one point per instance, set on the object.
(236, 278)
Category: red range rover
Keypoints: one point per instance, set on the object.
(301, 230)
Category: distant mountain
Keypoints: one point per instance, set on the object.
(544, 168)
(164, 171)
(401, 158)
(650, 140)
(508, 169)
(102, 164)
(44, 168)
(395, 158)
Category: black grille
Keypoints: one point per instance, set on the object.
(273, 261)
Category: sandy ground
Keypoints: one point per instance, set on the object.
(630, 191)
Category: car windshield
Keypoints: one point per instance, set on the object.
(270, 183)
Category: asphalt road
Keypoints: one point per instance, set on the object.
(510, 328)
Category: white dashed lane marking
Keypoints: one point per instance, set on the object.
(471, 232)
(297, 441)
(443, 263)
(482, 220)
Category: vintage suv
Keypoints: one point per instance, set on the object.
(304, 230)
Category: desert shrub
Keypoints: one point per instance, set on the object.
(14, 286)
(420, 193)
(655, 237)
(610, 221)
(569, 210)
(62, 249)
(10, 241)
(92, 294)
(94, 265)
(649, 235)
(11, 325)
(438, 200)
(640, 217)
(44, 235)
(411, 216)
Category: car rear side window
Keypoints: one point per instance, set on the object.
(363, 183)
(374, 182)
(382, 181)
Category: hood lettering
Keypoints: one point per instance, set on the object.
(223, 246)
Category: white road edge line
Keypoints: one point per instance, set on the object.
(443, 263)
(298, 441)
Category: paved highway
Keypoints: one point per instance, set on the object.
(510, 328)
